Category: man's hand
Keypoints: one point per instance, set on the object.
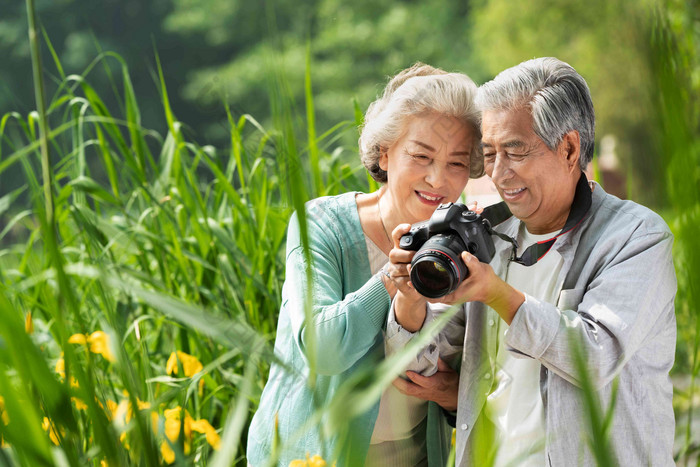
(442, 387)
(483, 285)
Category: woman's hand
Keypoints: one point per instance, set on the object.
(442, 387)
(409, 305)
(483, 285)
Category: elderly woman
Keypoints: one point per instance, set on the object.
(420, 140)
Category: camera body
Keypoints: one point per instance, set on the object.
(437, 268)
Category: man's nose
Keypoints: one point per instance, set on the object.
(501, 168)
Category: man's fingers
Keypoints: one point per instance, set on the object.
(443, 366)
(401, 384)
(408, 388)
(468, 257)
(420, 380)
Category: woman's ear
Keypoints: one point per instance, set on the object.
(383, 159)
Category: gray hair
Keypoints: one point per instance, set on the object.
(556, 95)
(419, 90)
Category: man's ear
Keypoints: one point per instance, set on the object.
(383, 159)
(570, 149)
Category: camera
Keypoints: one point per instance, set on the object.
(437, 268)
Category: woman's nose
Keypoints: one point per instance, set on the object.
(437, 175)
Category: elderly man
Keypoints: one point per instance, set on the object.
(583, 269)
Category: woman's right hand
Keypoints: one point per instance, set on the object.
(409, 305)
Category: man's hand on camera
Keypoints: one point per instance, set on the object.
(483, 285)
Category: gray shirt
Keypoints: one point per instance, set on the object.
(616, 291)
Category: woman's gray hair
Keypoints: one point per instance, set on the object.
(418, 90)
(556, 95)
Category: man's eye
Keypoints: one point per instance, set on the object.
(489, 156)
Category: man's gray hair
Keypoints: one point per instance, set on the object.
(556, 95)
(419, 90)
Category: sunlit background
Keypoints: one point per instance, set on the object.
(305, 70)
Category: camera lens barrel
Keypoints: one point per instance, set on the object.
(437, 269)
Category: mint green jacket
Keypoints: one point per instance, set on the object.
(350, 307)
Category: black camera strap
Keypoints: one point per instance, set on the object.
(498, 213)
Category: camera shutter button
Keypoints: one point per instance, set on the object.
(469, 215)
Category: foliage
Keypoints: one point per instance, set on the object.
(603, 41)
(227, 56)
(163, 254)
(675, 60)
(136, 326)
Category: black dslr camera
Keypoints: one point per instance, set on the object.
(437, 268)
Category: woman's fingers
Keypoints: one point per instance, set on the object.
(400, 230)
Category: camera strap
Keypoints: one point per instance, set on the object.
(498, 213)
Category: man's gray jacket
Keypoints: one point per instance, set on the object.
(617, 286)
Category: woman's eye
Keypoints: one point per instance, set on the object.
(458, 165)
(420, 158)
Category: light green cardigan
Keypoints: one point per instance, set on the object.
(349, 308)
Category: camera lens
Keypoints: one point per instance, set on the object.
(437, 268)
(433, 276)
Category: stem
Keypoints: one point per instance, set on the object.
(43, 125)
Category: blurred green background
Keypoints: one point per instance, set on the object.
(219, 50)
(171, 207)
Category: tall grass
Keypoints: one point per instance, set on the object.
(674, 60)
(167, 246)
(163, 245)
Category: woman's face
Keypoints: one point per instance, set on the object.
(428, 165)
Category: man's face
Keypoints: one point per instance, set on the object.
(537, 184)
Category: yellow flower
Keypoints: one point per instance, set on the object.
(80, 405)
(172, 426)
(5, 417)
(213, 438)
(53, 434)
(28, 323)
(315, 461)
(154, 422)
(167, 453)
(112, 407)
(77, 339)
(61, 367)
(124, 411)
(98, 341)
(121, 413)
(190, 364)
(172, 432)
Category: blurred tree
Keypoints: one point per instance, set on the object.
(353, 47)
(224, 50)
(607, 42)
